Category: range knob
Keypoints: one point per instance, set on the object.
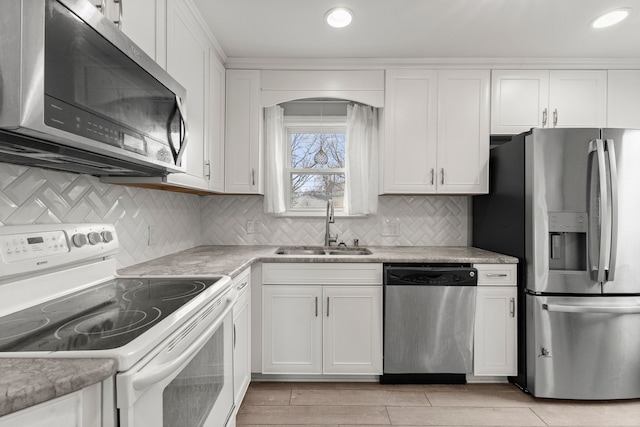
(107, 236)
(79, 240)
(94, 238)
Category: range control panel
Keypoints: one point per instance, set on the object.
(33, 245)
(29, 248)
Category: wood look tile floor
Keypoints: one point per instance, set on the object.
(371, 404)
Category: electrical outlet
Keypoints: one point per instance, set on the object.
(390, 228)
(153, 235)
(253, 226)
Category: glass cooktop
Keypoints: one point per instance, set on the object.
(105, 316)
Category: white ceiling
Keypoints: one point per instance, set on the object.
(403, 29)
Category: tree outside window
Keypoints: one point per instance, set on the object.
(313, 177)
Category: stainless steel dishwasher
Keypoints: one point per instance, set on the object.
(428, 322)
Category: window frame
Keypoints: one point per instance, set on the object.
(311, 124)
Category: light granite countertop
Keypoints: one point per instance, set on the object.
(27, 382)
(231, 260)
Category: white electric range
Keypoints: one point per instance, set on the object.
(60, 297)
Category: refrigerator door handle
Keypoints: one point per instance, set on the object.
(598, 270)
(613, 171)
(560, 308)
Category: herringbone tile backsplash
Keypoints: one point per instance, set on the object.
(39, 196)
(400, 221)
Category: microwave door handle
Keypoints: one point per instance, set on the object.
(592, 309)
(184, 132)
(144, 380)
(613, 213)
(597, 274)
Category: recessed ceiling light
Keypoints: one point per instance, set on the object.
(610, 18)
(339, 17)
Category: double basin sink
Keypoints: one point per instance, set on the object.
(322, 250)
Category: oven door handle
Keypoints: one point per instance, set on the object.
(161, 372)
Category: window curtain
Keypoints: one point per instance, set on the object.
(275, 153)
(361, 192)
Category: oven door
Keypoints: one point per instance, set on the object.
(188, 381)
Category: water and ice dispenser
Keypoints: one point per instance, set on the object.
(568, 241)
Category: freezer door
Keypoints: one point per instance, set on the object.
(623, 268)
(583, 347)
(557, 235)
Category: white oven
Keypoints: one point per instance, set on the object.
(172, 336)
(188, 380)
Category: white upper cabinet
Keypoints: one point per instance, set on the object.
(519, 101)
(214, 163)
(188, 63)
(578, 98)
(436, 132)
(525, 99)
(243, 145)
(463, 132)
(623, 100)
(145, 22)
(410, 132)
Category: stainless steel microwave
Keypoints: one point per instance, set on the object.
(76, 94)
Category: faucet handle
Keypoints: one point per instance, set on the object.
(355, 242)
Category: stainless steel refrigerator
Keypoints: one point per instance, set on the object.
(566, 202)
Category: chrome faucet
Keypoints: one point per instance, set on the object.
(330, 219)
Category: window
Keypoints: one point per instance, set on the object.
(315, 166)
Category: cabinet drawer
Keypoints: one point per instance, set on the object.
(322, 273)
(497, 274)
(242, 282)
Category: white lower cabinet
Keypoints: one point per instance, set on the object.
(242, 336)
(322, 329)
(495, 335)
(292, 329)
(352, 330)
(82, 408)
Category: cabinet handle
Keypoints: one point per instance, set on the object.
(242, 286)
(207, 165)
(433, 173)
(119, 21)
(316, 306)
(555, 117)
(442, 176)
(253, 176)
(512, 307)
(327, 306)
(234, 336)
(496, 275)
(544, 118)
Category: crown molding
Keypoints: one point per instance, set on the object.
(383, 63)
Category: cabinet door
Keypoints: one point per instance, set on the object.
(242, 346)
(578, 98)
(144, 21)
(188, 63)
(82, 408)
(292, 329)
(352, 330)
(519, 100)
(495, 336)
(623, 99)
(243, 146)
(463, 132)
(215, 160)
(409, 152)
